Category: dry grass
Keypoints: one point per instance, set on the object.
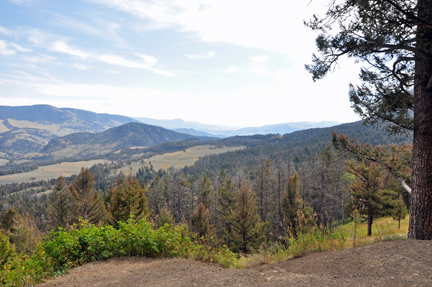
(3, 128)
(49, 171)
(384, 228)
(178, 159)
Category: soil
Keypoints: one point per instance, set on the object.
(392, 263)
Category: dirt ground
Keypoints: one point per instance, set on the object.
(393, 263)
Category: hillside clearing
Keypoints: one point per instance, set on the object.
(177, 159)
(49, 171)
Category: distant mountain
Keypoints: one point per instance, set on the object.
(223, 131)
(282, 129)
(181, 124)
(193, 132)
(127, 135)
(26, 129)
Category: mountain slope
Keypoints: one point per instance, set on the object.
(26, 129)
(221, 131)
(127, 135)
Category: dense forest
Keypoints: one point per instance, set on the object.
(278, 186)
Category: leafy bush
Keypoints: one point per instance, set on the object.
(84, 243)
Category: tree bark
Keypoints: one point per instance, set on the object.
(420, 226)
(370, 221)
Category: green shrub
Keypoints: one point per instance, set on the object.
(62, 250)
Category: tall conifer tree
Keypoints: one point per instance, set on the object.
(86, 202)
(247, 232)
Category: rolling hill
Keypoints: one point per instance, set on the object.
(27, 129)
(127, 135)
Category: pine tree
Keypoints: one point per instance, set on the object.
(205, 193)
(86, 202)
(369, 195)
(200, 221)
(155, 196)
(298, 216)
(8, 219)
(164, 217)
(394, 39)
(400, 210)
(60, 205)
(246, 232)
(127, 199)
(263, 188)
(227, 197)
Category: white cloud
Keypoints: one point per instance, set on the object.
(232, 70)
(20, 48)
(4, 30)
(4, 49)
(201, 56)
(62, 47)
(11, 48)
(275, 25)
(102, 28)
(40, 58)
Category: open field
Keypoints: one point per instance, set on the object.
(3, 161)
(381, 228)
(178, 159)
(49, 171)
(3, 128)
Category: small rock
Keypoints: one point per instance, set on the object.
(391, 278)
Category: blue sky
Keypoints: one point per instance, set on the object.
(226, 62)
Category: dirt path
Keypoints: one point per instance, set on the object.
(395, 263)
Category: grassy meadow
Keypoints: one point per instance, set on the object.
(49, 171)
(177, 159)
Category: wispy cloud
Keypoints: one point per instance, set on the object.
(201, 56)
(60, 44)
(4, 30)
(102, 28)
(11, 48)
(63, 47)
(230, 21)
(4, 49)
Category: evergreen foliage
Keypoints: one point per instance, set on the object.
(298, 215)
(394, 39)
(205, 193)
(369, 196)
(246, 231)
(400, 210)
(60, 205)
(86, 202)
(164, 217)
(126, 199)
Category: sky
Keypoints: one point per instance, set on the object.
(224, 62)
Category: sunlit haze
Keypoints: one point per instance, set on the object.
(235, 63)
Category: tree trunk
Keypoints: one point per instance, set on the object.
(370, 221)
(420, 226)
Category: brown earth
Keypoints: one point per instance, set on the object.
(393, 263)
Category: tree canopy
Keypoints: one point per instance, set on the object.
(392, 39)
